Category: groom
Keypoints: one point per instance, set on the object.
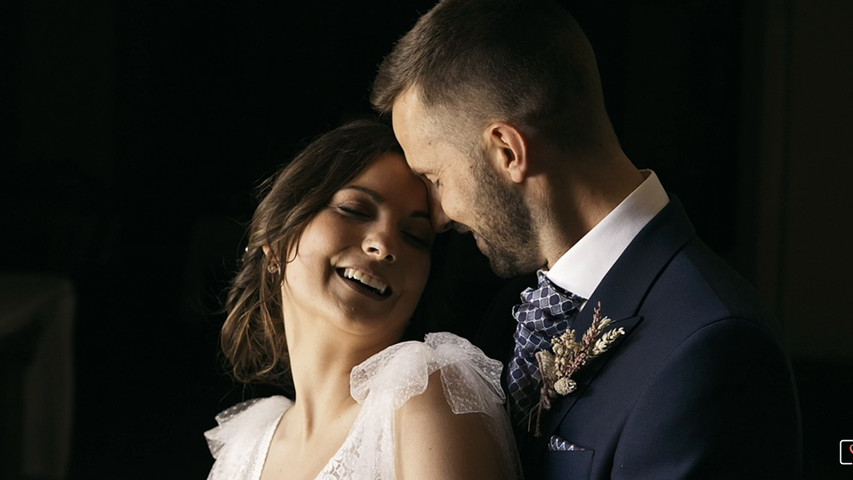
(498, 104)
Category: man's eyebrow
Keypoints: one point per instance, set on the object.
(380, 199)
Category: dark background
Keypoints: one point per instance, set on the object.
(134, 132)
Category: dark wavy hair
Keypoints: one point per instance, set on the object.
(252, 337)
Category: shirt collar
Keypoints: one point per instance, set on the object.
(584, 265)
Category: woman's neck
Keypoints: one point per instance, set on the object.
(321, 363)
(317, 424)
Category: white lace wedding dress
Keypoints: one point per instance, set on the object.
(381, 384)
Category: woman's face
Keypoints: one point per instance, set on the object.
(363, 261)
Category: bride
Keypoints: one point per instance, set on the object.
(338, 256)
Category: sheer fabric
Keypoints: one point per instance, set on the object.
(382, 384)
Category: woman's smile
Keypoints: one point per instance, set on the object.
(366, 283)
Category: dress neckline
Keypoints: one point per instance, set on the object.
(329, 466)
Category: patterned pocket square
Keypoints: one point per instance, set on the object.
(557, 444)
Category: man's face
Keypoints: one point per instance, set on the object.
(468, 194)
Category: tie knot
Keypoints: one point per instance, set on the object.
(550, 299)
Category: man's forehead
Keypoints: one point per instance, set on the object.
(404, 112)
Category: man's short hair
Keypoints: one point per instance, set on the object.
(526, 62)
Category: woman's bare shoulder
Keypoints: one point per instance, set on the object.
(434, 442)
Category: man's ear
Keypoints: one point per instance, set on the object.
(507, 145)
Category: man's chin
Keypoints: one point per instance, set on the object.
(505, 266)
(503, 269)
(502, 264)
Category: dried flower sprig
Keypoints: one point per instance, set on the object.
(568, 356)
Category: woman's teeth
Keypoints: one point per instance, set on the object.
(378, 285)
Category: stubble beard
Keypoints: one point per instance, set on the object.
(507, 227)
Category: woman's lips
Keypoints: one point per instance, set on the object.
(365, 281)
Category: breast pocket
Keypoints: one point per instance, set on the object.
(576, 465)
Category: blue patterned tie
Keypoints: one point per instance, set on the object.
(545, 312)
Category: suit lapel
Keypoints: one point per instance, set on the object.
(586, 374)
(621, 293)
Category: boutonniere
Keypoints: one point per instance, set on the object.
(568, 356)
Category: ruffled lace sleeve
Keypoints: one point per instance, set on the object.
(240, 442)
(472, 381)
(386, 381)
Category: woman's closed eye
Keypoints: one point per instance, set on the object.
(353, 211)
(419, 240)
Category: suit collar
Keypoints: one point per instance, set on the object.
(625, 286)
(581, 268)
(622, 291)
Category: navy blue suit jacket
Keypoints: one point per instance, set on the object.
(699, 387)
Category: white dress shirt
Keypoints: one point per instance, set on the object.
(584, 265)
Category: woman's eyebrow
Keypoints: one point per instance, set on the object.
(371, 193)
(380, 199)
(421, 214)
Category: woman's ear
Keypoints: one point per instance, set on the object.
(273, 266)
(506, 144)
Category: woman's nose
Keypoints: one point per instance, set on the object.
(380, 244)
